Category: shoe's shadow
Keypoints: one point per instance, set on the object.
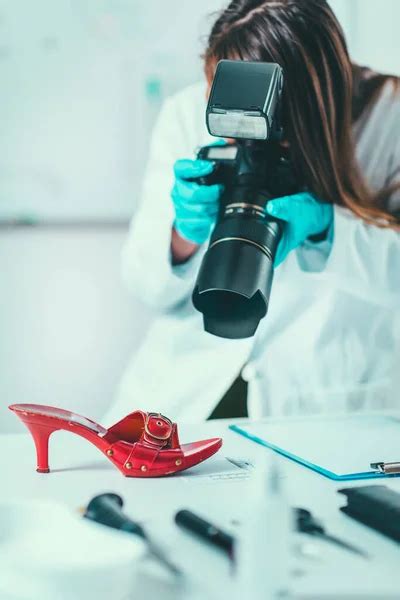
(94, 466)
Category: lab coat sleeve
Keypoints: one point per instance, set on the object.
(146, 261)
(364, 260)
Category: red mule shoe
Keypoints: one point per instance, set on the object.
(140, 445)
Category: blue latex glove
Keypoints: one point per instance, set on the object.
(196, 206)
(305, 217)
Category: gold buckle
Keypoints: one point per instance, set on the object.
(151, 434)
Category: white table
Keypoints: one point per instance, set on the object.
(79, 472)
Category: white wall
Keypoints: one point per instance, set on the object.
(67, 326)
(81, 83)
(377, 34)
(372, 30)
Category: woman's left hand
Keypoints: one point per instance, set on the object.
(305, 217)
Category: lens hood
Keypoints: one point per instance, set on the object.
(234, 281)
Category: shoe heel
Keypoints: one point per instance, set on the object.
(41, 434)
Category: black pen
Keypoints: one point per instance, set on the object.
(205, 530)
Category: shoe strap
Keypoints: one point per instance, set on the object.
(157, 430)
(154, 430)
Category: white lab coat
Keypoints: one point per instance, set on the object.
(330, 338)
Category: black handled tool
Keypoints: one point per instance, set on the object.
(107, 510)
(205, 530)
(307, 523)
(304, 522)
(376, 506)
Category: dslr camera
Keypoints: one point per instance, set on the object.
(234, 282)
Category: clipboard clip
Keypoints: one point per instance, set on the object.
(386, 468)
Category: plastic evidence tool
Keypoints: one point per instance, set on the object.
(376, 506)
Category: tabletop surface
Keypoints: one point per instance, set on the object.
(79, 472)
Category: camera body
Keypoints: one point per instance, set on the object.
(234, 281)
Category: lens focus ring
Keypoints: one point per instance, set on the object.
(263, 233)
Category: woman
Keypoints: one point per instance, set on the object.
(328, 342)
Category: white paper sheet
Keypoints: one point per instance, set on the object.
(220, 469)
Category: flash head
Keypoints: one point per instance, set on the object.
(244, 100)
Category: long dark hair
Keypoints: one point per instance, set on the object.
(306, 40)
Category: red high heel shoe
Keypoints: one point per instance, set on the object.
(140, 445)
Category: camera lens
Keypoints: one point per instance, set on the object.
(235, 278)
(234, 282)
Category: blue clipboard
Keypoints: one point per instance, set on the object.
(336, 447)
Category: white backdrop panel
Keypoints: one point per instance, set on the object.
(82, 81)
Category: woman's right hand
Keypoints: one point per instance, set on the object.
(196, 205)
